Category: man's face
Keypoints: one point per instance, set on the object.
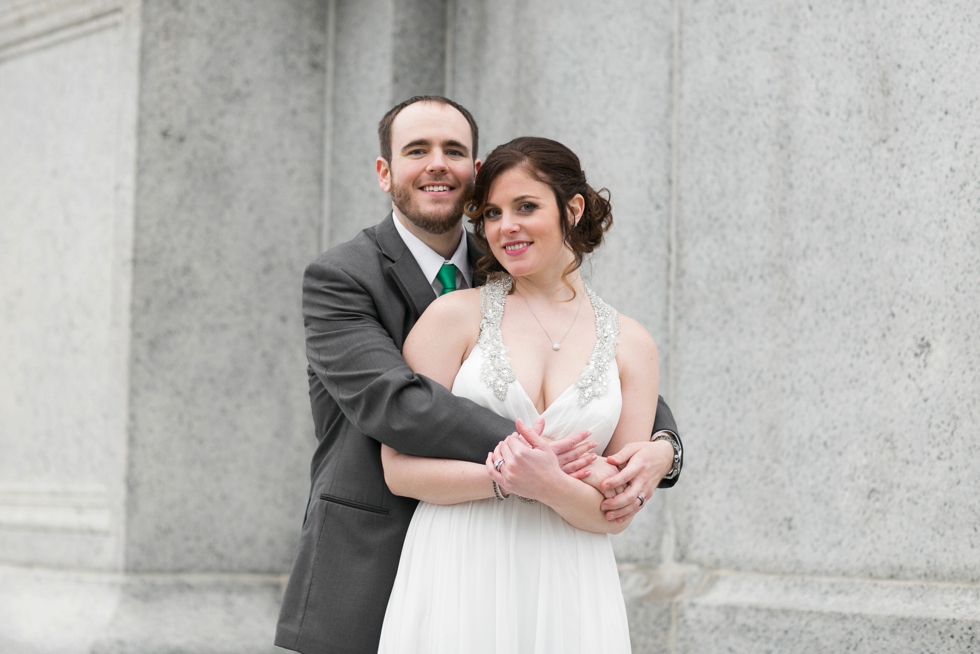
(432, 167)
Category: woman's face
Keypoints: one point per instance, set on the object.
(520, 221)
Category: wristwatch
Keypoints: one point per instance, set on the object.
(675, 442)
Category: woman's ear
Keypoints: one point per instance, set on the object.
(577, 207)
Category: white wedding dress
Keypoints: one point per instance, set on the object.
(510, 577)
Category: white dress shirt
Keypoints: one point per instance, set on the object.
(431, 261)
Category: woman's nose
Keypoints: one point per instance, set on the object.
(509, 223)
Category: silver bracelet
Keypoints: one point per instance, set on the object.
(500, 496)
(675, 469)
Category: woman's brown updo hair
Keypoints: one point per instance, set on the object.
(554, 165)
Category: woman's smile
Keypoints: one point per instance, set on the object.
(515, 249)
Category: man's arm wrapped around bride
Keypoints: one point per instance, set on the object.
(442, 339)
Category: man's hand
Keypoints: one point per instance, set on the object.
(599, 471)
(642, 465)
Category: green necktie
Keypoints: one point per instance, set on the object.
(447, 277)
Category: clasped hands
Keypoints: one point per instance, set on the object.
(533, 465)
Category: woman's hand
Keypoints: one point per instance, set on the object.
(642, 465)
(574, 452)
(530, 468)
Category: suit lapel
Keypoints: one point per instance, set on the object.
(473, 253)
(404, 271)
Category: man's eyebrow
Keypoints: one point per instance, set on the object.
(415, 143)
(456, 145)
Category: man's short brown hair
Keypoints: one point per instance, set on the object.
(384, 127)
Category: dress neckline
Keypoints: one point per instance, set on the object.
(496, 371)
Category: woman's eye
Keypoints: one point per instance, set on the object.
(490, 214)
(528, 206)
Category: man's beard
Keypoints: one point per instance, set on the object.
(435, 222)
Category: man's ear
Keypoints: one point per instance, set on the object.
(577, 207)
(477, 164)
(384, 174)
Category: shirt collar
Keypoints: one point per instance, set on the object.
(431, 261)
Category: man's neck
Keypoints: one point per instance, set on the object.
(444, 244)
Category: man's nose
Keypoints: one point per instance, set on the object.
(437, 162)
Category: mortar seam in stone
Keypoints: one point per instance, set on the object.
(160, 578)
(674, 197)
(710, 580)
(672, 220)
(721, 572)
(328, 93)
(448, 68)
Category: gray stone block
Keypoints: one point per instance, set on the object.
(382, 52)
(828, 290)
(748, 613)
(361, 49)
(652, 603)
(227, 216)
(650, 622)
(418, 48)
(67, 115)
(87, 613)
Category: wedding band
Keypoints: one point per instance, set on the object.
(498, 463)
(640, 497)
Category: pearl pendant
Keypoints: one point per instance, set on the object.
(555, 347)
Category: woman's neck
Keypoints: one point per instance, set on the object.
(549, 288)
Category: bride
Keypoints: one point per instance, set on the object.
(515, 555)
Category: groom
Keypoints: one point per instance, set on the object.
(360, 299)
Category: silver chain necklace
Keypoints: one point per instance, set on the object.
(555, 345)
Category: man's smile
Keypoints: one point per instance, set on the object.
(437, 188)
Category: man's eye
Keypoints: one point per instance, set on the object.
(415, 152)
(455, 153)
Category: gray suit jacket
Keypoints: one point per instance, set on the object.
(360, 299)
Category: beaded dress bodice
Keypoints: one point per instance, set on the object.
(496, 371)
(495, 385)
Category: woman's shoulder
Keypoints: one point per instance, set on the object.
(635, 342)
(452, 321)
(459, 305)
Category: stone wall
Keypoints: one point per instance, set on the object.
(797, 213)
(828, 282)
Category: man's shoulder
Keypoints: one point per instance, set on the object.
(359, 253)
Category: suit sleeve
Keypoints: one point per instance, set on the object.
(664, 421)
(363, 370)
